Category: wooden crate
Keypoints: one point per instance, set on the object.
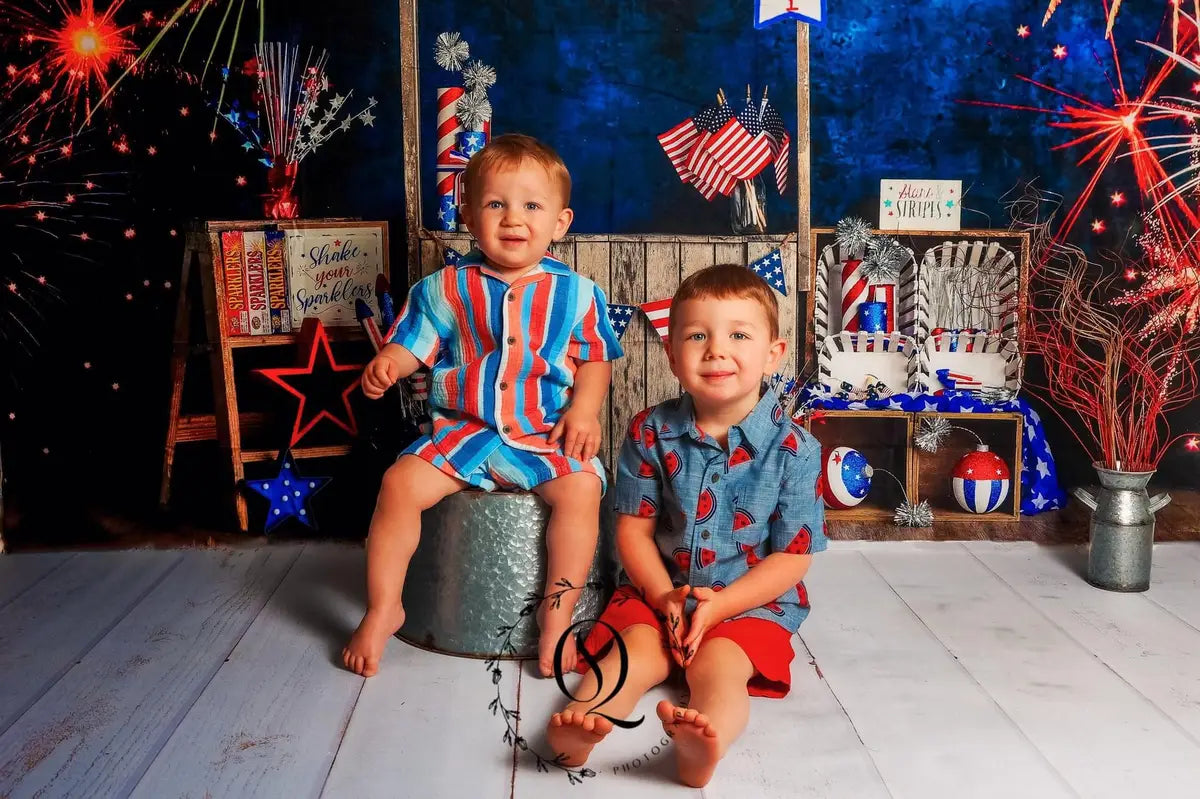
(931, 471)
(884, 438)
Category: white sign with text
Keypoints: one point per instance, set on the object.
(920, 204)
(331, 267)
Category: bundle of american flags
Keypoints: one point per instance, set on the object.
(716, 149)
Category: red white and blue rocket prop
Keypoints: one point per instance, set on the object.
(980, 480)
(847, 478)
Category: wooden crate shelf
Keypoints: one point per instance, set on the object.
(884, 439)
(931, 471)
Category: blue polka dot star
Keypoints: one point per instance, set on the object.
(288, 493)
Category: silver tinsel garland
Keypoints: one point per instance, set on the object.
(450, 51)
(933, 433)
(909, 515)
(884, 258)
(853, 234)
(478, 76)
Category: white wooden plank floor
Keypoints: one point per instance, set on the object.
(925, 670)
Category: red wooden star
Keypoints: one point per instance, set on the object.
(319, 387)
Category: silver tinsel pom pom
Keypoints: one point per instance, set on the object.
(478, 76)
(933, 433)
(883, 261)
(473, 109)
(919, 515)
(853, 234)
(450, 51)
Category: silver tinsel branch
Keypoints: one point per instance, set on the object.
(853, 234)
(933, 433)
(478, 76)
(473, 109)
(450, 51)
(909, 515)
(884, 258)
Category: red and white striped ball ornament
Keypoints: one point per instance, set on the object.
(980, 480)
(847, 478)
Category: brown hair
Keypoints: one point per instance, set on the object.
(508, 151)
(728, 281)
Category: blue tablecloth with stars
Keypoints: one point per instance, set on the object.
(1040, 490)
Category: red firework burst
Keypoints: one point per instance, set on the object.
(74, 47)
(1116, 129)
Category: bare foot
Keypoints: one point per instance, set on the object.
(366, 646)
(698, 749)
(552, 623)
(573, 733)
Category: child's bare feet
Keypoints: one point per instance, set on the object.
(573, 733)
(366, 646)
(553, 622)
(698, 749)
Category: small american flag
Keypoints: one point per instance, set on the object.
(710, 176)
(659, 314)
(742, 146)
(619, 316)
(781, 145)
(677, 144)
(770, 269)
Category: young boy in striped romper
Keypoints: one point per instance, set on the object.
(519, 348)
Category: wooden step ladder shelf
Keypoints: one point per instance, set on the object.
(228, 425)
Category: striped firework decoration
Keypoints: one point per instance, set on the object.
(829, 267)
(968, 284)
(902, 347)
(987, 346)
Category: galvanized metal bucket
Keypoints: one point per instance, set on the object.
(480, 555)
(1121, 533)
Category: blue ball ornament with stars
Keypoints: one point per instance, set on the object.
(289, 493)
(845, 478)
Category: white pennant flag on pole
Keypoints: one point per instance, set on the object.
(767, 12)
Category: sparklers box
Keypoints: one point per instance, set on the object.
(959, 297)
(302, 270)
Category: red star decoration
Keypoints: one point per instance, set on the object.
(1023, 31)
(1118, 199)
(322, 382)
(1098, 226)
(1060, 51)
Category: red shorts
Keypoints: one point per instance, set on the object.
(767, 644)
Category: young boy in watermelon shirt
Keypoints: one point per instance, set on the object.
(719, 515)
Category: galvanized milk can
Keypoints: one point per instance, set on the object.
(481, 553)
(1122, 529)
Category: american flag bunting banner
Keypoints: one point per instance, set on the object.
(619, 316)
(450, 257)
(659, 314)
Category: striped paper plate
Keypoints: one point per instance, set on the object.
(991, 359)
(850, 357)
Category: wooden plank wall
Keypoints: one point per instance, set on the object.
(633, 269)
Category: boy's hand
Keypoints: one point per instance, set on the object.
(670, 605)
(706, 616)
(381, 373)
(580, 434)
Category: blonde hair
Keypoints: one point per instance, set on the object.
(728, 281)
(508, 151)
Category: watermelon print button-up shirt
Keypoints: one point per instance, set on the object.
(721, 512)
(502, 357)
